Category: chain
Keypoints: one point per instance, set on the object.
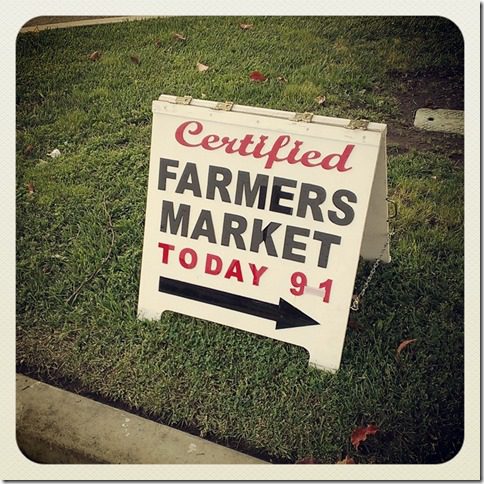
(355, 305)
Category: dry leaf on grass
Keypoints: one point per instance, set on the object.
(94, 56)
(346, 460)
(30, 188)
(55, 153)
(361, 433)
(257, 76)
(307, 460)
(281, 79)
(177, 36)
(246, 26)
(321, 100)
(201, 67)
(28, 150)
(404, 344)
(134, 59)
(158, 43)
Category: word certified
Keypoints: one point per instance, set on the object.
(191, 134)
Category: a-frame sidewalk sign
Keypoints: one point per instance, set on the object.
(256, 219)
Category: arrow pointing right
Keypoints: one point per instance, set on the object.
(285, 314)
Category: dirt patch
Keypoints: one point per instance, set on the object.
(404, 139)
(431, 89)
(434, 90)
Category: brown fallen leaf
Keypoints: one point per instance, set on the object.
(94, 56)
(30, 188)
(158, 43)
(404, 344)
(246, 26)
(201, 67)
(346, 460)
(281, 79)
(257, 76)
(361, 433)
(321, 100)
(134, 59)
(307, 460)
(28, 150)
(177, 36)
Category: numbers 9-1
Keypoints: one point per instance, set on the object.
(299, 282)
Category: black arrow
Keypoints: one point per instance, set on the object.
(285, 314)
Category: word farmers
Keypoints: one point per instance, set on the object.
(191, 134)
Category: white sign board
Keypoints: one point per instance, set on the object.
(255, 220)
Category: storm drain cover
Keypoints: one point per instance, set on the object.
(444, 120)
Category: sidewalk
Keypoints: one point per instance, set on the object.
(58, 427)
(46, 23)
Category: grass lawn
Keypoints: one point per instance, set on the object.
(80, 227)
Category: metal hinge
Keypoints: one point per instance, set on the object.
(395, 209)
(224, 106)
(183, 99)
(303, 117)
(358, 124)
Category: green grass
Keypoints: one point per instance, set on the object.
(253, 393)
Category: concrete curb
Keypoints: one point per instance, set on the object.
(83, 23)
(58, 427)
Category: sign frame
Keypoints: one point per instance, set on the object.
(181, 289)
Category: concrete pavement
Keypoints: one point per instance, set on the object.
(57, 23)
(58, 427)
